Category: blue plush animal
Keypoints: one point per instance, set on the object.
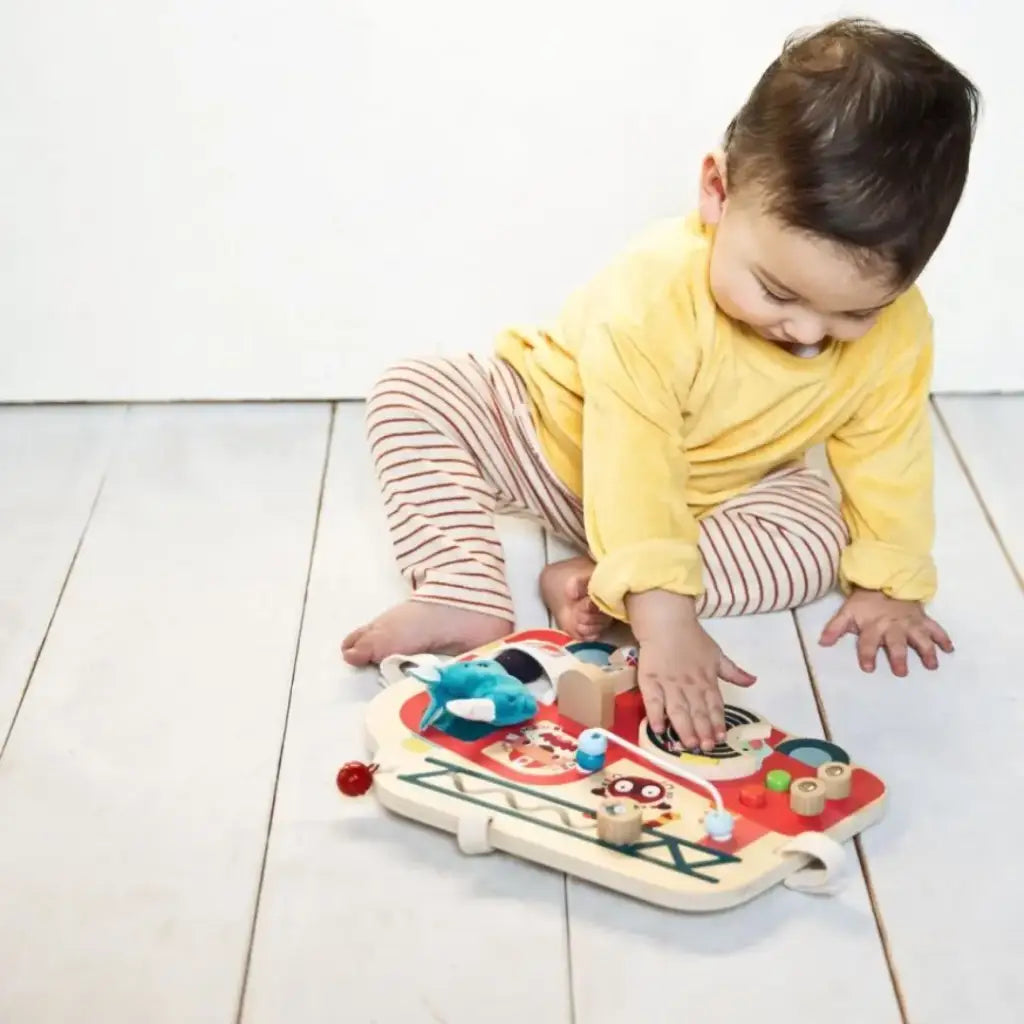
(476, 691)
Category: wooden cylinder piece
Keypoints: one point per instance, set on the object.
(587, 693)
(838, 779)
(807, 797)
(619, 822)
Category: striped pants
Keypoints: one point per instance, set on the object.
(453, 443)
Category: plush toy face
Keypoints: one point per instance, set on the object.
(478, 691)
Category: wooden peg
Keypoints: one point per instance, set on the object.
(807, 797)
(838, 779)
(619, 822)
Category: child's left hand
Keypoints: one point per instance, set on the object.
(881, 621)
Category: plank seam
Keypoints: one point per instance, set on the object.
(565, 878)
(876, 910)
(976, 490)
(347, 399)
(63, 587)
(89, 403)
(287, 712)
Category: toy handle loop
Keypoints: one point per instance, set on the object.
(394, 668)
(472, 832)
(825, 872)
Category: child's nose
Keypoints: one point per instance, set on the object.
(805, 329)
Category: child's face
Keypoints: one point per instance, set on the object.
(789, 287)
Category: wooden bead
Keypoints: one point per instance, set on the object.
(619, 822)
(807, 797)
(838, 779)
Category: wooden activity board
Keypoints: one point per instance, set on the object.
(519, 789)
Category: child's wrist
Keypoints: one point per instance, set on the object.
(653, 611)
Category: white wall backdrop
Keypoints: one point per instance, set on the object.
(269, 199)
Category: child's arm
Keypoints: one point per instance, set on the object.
(882, 459)
(639, 525)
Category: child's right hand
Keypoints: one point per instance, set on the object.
(678, 669)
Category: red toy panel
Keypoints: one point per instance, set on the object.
(541, 753)
(621, 807)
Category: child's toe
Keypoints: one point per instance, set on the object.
(357, 647)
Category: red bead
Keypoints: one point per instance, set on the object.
(753, 796)
(355, 778)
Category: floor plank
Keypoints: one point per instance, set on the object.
(942, 862)
(52, 462)
(986, 430)
(135, 790)
(354, 900)
(757, 958)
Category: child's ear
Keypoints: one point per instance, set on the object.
(712, 187)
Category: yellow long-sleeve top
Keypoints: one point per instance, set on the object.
(654, 407)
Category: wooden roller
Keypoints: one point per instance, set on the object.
(619, 822)
(807, 797)
(838, 779)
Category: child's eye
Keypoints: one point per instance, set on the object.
(771, 296)
(861, 316)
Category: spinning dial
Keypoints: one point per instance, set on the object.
(740, 755)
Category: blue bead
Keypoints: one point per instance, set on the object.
(589, 762)
(719, 825)
(592, 742)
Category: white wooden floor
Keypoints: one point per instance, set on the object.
(174, 582)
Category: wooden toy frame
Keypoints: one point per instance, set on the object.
(518, 789)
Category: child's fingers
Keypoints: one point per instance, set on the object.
(867, 647)
(678, 710)
(654, 702)
(922, 643)
(939, 635)
(840, 624)
(731, 672)
(703, 704)
(716, 709)
(896, 651)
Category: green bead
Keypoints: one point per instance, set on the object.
(778, 781)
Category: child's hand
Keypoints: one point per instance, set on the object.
(881, 621)
(679, 668)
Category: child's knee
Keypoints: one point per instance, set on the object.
(406, 385)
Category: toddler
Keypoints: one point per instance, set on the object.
(661, 422)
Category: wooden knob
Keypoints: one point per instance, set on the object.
(838, 779)
(807, 797)
(619, 822)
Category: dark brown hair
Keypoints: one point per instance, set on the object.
(862, 135)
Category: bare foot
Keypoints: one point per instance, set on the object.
(564, 589)
(419, 627)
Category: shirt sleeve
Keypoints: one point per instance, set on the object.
(635, 471)
(883, 463)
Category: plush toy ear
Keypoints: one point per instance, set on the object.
(425, 674)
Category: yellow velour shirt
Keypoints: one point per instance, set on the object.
(654, 407)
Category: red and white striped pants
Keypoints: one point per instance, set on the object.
(454, 444)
